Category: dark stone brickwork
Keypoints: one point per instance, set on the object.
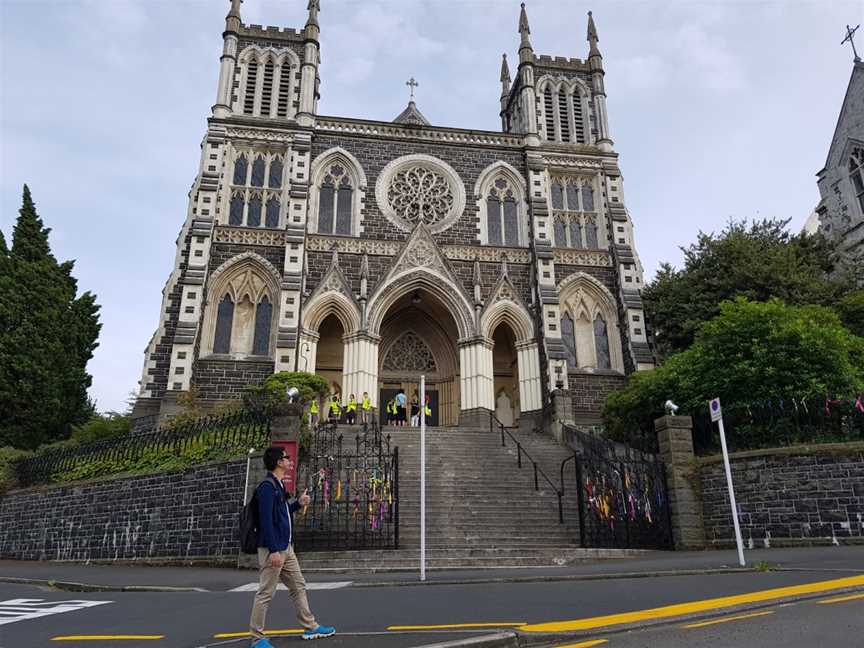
(466, 160)
(787, 498)
(158, 375)
(589, 392)
(218, 379)
(222, 252)
(185, 515)
(606, 276)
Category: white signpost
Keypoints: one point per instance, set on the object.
(422, 478)
(717, 415)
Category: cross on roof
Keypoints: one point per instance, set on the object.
(412, 84)
(850, 36)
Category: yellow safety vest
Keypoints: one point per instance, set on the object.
(335, 407)
(366, 404)
(392, 408)
(313, 408)
(427, 410)
(352, 405)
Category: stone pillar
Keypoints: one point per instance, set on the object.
(360, 373)
(307, 351)
(477, 385)
(562, 413)
(530, 392)
(675, 438)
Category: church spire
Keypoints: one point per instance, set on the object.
(505, 74)
(314, 7)
(233, 19)
(526, 52)
(593, 39)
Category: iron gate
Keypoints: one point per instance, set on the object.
(354, 485)
(622, 495)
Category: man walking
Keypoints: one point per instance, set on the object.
(276, 556)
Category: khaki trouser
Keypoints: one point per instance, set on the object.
(268, 579)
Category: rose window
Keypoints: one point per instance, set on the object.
(420, 189)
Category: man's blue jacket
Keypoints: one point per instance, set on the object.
(276, 529)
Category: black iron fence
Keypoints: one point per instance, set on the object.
(167, 447)
(622, 495)
(354, 485)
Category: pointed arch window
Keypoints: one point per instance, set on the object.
(263, 322)
(568, 336)
(336, 202)
(251, 86)
(502, 214)
(267, 88)
(590, 234)
(273, 208)
(253, 205)
(557, 195)
(601, 343)
(572, 200)
(224, 323)
(856, 176)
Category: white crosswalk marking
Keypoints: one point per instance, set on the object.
(23, 609)
(251, 587)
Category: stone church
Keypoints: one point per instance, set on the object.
(841, 181)
(500, 264)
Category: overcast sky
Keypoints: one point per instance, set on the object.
(719, 110)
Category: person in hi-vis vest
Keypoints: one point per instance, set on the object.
(351, 410)
(335, 409)
(313, 413)
(366, 408)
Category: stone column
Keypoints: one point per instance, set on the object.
(562, 412)
(477, 384)
(530, 392)
(360, 373)
(307, 351)
(675, 438)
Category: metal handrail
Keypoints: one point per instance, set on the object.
(537, 470)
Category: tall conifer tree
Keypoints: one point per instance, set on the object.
(47, 337)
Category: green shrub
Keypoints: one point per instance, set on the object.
(8, 456)
(101, 427)
(264, 397)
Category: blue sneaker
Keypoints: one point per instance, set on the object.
(262, 643)
(318, 633)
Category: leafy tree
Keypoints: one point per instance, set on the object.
(758, 261)
(271, 392)
(851, 311)
(752, 352)
(101, 427)
(47, 337)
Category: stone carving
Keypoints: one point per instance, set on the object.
(249, 236)
(489, 254)
(322, 243)
(597, 258)
(455, 136)
(573, 162)
(421, 252)
(419, 194)
(420, 189)
(409, 353)
(268, 136)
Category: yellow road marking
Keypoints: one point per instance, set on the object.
(737, 617)
(269, 633)
(841, 599)
(454, 626)
(692, 607)
(108, 638)
(585, 644)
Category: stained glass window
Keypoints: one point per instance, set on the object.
(560, 233)
(224, 322)
(344, 205)
(572, 196)
(263, 321)
(591, 235)
(557, 196)
(235, 215)
(493, 218)
(258, 172)
(240, 166)
(511, 222)
(601, 343)
(325, 207)
(587, 198)
(568, 336)
(272, 212)
(253, 217)
(275, 174)
(575, 233)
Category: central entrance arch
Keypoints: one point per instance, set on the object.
(419, 337)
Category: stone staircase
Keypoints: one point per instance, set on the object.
(481, 510)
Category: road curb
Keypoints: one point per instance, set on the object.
(537, 639)
(496, 640)
(71, 586)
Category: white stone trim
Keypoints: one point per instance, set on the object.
(457, 187)
(330, 302)
(510, 312)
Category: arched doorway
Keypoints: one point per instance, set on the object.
(330, 354)
(505, 367)
(418, 337)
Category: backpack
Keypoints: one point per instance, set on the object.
(250, 523)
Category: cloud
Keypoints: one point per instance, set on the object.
(708, 59)
(644, 72)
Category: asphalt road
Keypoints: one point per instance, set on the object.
(189, 620)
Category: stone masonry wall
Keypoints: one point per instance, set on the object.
(184, 516)
(791, 498)
(589, 391)
(226, 379)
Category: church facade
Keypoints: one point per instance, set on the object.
(499, 264)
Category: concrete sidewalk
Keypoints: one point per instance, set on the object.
(116, 577)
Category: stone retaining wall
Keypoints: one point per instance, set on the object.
(189, 515)
(804, 495)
